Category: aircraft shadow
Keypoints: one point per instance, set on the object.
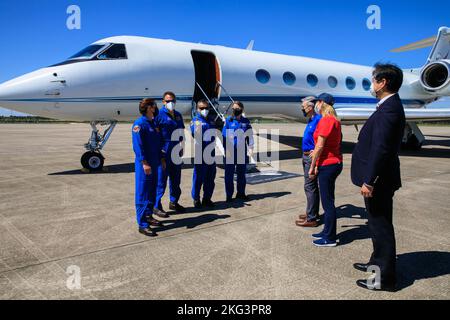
(413, 266)
(193, 222)
(442, 142)
(109, 169)
(294, 142)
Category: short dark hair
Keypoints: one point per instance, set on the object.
(391, 73)
(202, 101)
(145, 104)
(239, 103)
(169, 93)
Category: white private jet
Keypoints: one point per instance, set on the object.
(104, 82)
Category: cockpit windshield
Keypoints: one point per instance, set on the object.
(115, 51)
(88, 52)
(96, 52)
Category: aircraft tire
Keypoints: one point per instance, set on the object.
(93, 161)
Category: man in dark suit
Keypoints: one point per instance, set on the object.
(376, 170)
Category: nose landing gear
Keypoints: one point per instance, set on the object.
(93, 160)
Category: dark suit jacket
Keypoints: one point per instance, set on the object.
(375, 158)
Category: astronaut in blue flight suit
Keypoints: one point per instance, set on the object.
(237, 135)
(147, 146)
(203, 131)
(169, 121)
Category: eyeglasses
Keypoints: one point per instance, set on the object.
(168, 101)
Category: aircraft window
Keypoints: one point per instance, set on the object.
(366, 84)
(350, 83)
(312, 80)
(262, 76)
(116, 51)
(88, 52)
(289, 78)
(332, 82)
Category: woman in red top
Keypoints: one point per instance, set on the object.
(328, 159)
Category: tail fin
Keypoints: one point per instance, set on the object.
(434, 77)
(440, 43)
(441, 48)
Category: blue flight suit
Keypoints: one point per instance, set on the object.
(147, 145)
(237, 165)
(168, 124)
(204, 173)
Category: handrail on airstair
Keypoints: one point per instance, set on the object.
(228, 95)
(219, 114)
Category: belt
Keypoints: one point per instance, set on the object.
(307, 153)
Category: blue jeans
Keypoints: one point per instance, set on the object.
(327, 182)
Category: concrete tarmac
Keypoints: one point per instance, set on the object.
(56, 221)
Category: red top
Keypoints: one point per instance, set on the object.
(329, 128)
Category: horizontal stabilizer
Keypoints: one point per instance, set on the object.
(440, 44)
(428, 42)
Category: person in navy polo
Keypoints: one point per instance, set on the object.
(311, 217)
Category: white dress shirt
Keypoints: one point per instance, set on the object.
(384, 100)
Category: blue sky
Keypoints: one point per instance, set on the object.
(34, 32)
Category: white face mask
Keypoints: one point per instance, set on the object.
(372, 91)
(170, 106)
(204, 113)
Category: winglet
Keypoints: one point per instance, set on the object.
(250, 45)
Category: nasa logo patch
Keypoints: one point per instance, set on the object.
(136, 129)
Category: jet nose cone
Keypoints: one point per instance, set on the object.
(7, 94)
(20, 93)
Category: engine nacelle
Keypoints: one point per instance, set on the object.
(435, 76)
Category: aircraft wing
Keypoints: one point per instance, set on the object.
(357, 115)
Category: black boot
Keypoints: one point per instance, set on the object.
(147, 232)
(153, 222)
(197, 204)
(177, 207)
(242, 196)
(361, 266)
(160, 213)
(208, 203)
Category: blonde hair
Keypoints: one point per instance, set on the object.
(328, 111)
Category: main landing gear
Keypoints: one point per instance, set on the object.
(413, 138)
(93, 160)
